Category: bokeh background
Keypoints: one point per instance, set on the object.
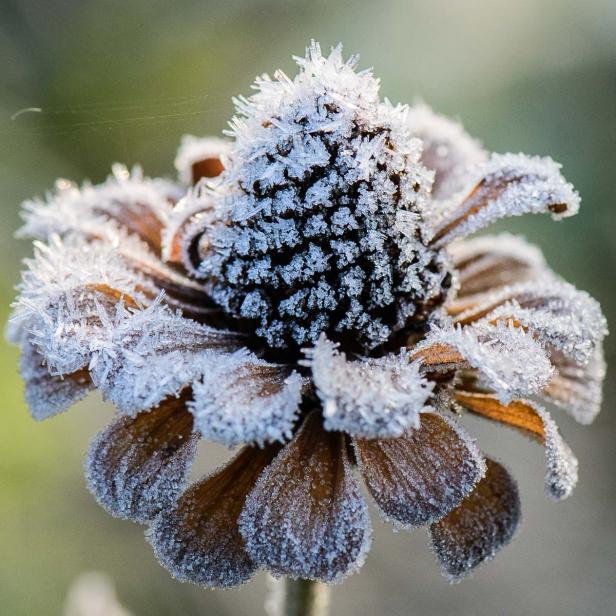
(120, 80)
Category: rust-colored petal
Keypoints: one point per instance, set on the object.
(198, 540)
(46, 394)
(419, 477)
(306, 516)
(532, 420)
(480, 526)
(200, 157)
(136, 466)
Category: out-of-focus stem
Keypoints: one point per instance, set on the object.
(297, 598)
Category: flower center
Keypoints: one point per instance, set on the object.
(320, 219)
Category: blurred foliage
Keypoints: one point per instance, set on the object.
(118, 80)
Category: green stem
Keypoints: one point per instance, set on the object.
(298, 598)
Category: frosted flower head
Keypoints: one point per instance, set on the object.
(307, 291)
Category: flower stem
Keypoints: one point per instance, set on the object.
(298, 598)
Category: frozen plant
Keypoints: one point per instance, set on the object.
(306, 290)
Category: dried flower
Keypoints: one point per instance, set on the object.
(311, 298)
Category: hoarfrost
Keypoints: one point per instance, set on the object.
(508, 185)
(369, 397)
(135, 467)
(200, 157)
(198, 540)
(480, 526)
(508, 359)
(419, 477)
(306, 516)
(242, 399)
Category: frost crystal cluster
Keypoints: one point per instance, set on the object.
(321, 229)
(306, 290)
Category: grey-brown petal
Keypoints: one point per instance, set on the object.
(198, 539)
(480, 526)
(136, 466)
(306, 516)
(419, 477)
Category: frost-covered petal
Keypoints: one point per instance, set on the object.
(137, 465)
(369, 397)
(532, 420)
(200, 157)
(47, 395)
(198, 540)
(578, 389)
(147, 355)
(448, 150)
(240, 398)
(508, 185)
(419, 477)
(137, 204)
(306, 516)
(480, 526)
(560, 316)
(486, 263)
(509, 361)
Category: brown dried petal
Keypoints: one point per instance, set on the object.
(484, 522)
(419, 477)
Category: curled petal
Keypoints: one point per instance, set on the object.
(369, 397)
(150, 354)
(577, 388)
(47, 395)
(534, 421)
(200, 158)
(136, 466)
(554, 312)
(198, 539)
(242, 399)
(419, 477)
(480, 526)
(483, 264)
(447, 149)
(306, 516)
(509, 185)
(508, 360)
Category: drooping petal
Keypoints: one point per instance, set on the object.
(484, 264)
(555, 312)
(419, 477)
(577, 388)
(509, 361)
(306, 516)
(136, 204)
(47, 395)
(198, 540)
(136, 466)
(532, 420)
(369, 397)
(448, 150)
(200, 157)
(151, 354)
(240, 398)
(508, 185)
(480, 526)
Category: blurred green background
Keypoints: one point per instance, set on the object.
(123, 80)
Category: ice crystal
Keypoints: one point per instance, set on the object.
(418, 478)
(368, 397)
(306, 517)
(508, 359)
(509, 185)
(321, 226)
(242, 399)
(447, 149)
